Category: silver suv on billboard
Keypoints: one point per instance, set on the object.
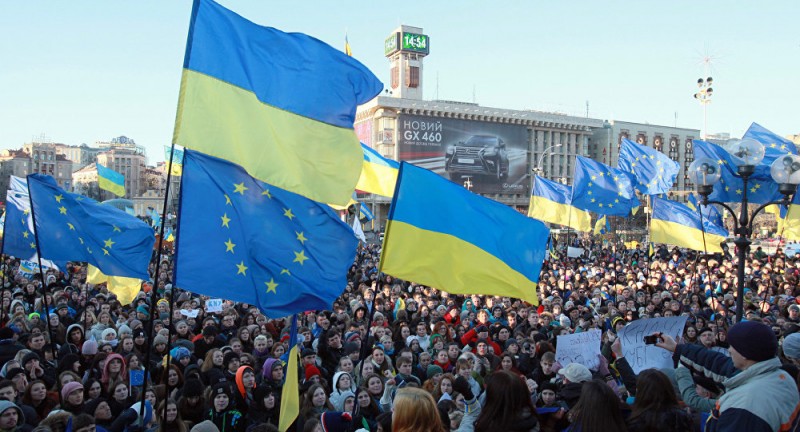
(478, 155)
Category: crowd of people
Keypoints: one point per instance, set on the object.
(393, 355)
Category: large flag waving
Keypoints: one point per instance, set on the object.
(654, 171)
(676, 224)
(71, 227)
(551, 202)
(708, 211)
(279, 250)
(775, 146)
(281, 105)
(602, 189)
(442, 235)
(731, 187)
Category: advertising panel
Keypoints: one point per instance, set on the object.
(491, 156)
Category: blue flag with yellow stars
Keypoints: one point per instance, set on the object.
(730, 187)
(775, 146)
(18, 239)
(602, 189)
(244, 240)
(654, 171)
(72, 227)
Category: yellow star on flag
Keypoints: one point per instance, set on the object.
(739, 191)
(300, 257)
(288, 213)
(25, 234)
(229, 245)
(227, 200)
(33, 245)
(105, 252)
(266, 192)
(62, 210)
(271, 285)
(301, 237)
(109, 243)
(286, 271)
(240, 188)
(71, 227)
(242, 269)
(116, 229)
(225, 220)
(59, 197)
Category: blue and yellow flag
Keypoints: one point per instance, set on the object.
(602, 226)
(602, 189)
(789, 219)
(281, 105)
(243, 240)
(708, 212)
(110, 180)
(18, 238)
(654, 171)
(676, 224)
(731, 187)
(72, 227)
(177, 159)
(550, 202)
(775, 146)
(442, 235)
(347, 49)
(378, 174)
(290, 395)
(366, 213)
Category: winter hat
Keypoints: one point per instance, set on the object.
(14, 372)
(229, 357)
(73, 327)
(511, 341)
(159, 340)
(791, 346)
(565, 321)
(350, 347)
(107, 332)
(335, 421)
(433, 370)
(193, 388)
(575, 372)
(753, 340)
(222, 387)
(124, 329)
(205, 426)
(312, 371)
(180, 353)
(69, 388)
(30, 356)
(5, 405)
(339, 398)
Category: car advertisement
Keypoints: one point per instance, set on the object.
(485, 157)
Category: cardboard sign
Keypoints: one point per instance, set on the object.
(580, 348)
(641, 356)
(574, 252)
(214, 305)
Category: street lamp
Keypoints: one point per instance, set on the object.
(705, 173)
(539, 170)
(703, 95)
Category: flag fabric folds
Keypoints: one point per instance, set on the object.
(125, 288)
(72, 227)
(602, 226)
(18, 238)
(267, 247)
(366, 213)
(789, 222)
(602, 189)
(281, 105)
(775, 146)
(442, 235)
(731, 187)
(290, 394)
(378, 174)
(676, 224)
(110, 180)
(709, 212)
(654, 171)
(177, 159)
(550, 202)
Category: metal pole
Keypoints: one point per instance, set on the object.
(742, 242)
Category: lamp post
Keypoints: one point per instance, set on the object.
(703, 95)
(539, 170)
(705, 173)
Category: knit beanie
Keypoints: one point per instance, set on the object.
(89, 347)
(193, 388)
(229, 357)
(335, 421)
(433, 370)
(205, 426)
(159, 340)
(69, 388)
(311, 371)
(753, 340)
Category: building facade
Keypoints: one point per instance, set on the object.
(80, 156)
(44, 159)
(12, 162)
(125, 157)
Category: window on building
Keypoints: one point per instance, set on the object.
(412, 77)
(395, 76)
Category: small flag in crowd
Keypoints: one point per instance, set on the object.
(290, 394)
(676, 224)
(282, 252)
(366, 213)
(18, 238)
(378, 174)
(72, 227)
(550, 202)
(110, 180)
(177, 159)
(791, 219)
(654, 171)
(602, 189)
(602, 226)
(440, 234)
(281, 105)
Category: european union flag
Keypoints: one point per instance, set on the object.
(775, 146)
(731, 186)
(602, 189)
(72, 227)
(247, 241)
(655, 172)
(18, 239)
(709, 212)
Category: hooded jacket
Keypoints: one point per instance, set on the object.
(5, 405)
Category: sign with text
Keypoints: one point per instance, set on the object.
(580, 348)
(214, 305)
(642, 356)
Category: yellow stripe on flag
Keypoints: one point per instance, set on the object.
(546, 210)
(124, 288)
(672, 233)
(290, 395)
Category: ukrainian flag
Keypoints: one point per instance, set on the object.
(551, 202)
(110, 180)
(290, 394)
(442, 235)
(177, 159)
(378, 174)
(789, 219)
(676, 224)
(602, 226)
(281, 105)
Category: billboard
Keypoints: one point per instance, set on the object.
(493, 157)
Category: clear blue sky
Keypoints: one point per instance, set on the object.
(83, 71)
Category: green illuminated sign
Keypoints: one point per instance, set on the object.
(415, 42)
(390, 46)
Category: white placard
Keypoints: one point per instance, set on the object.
(580, 348)
(214, 305)
(641, 356)
(190, 313)
(574, 252)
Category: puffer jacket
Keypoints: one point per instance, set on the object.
(762, 397)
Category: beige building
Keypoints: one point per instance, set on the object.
(45, 160)
(80, 156)
(128, 160)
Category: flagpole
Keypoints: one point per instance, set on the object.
(5, 270)
(44, 286)
(154, 298)
(705, 252)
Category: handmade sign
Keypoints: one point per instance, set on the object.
(642, 356)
